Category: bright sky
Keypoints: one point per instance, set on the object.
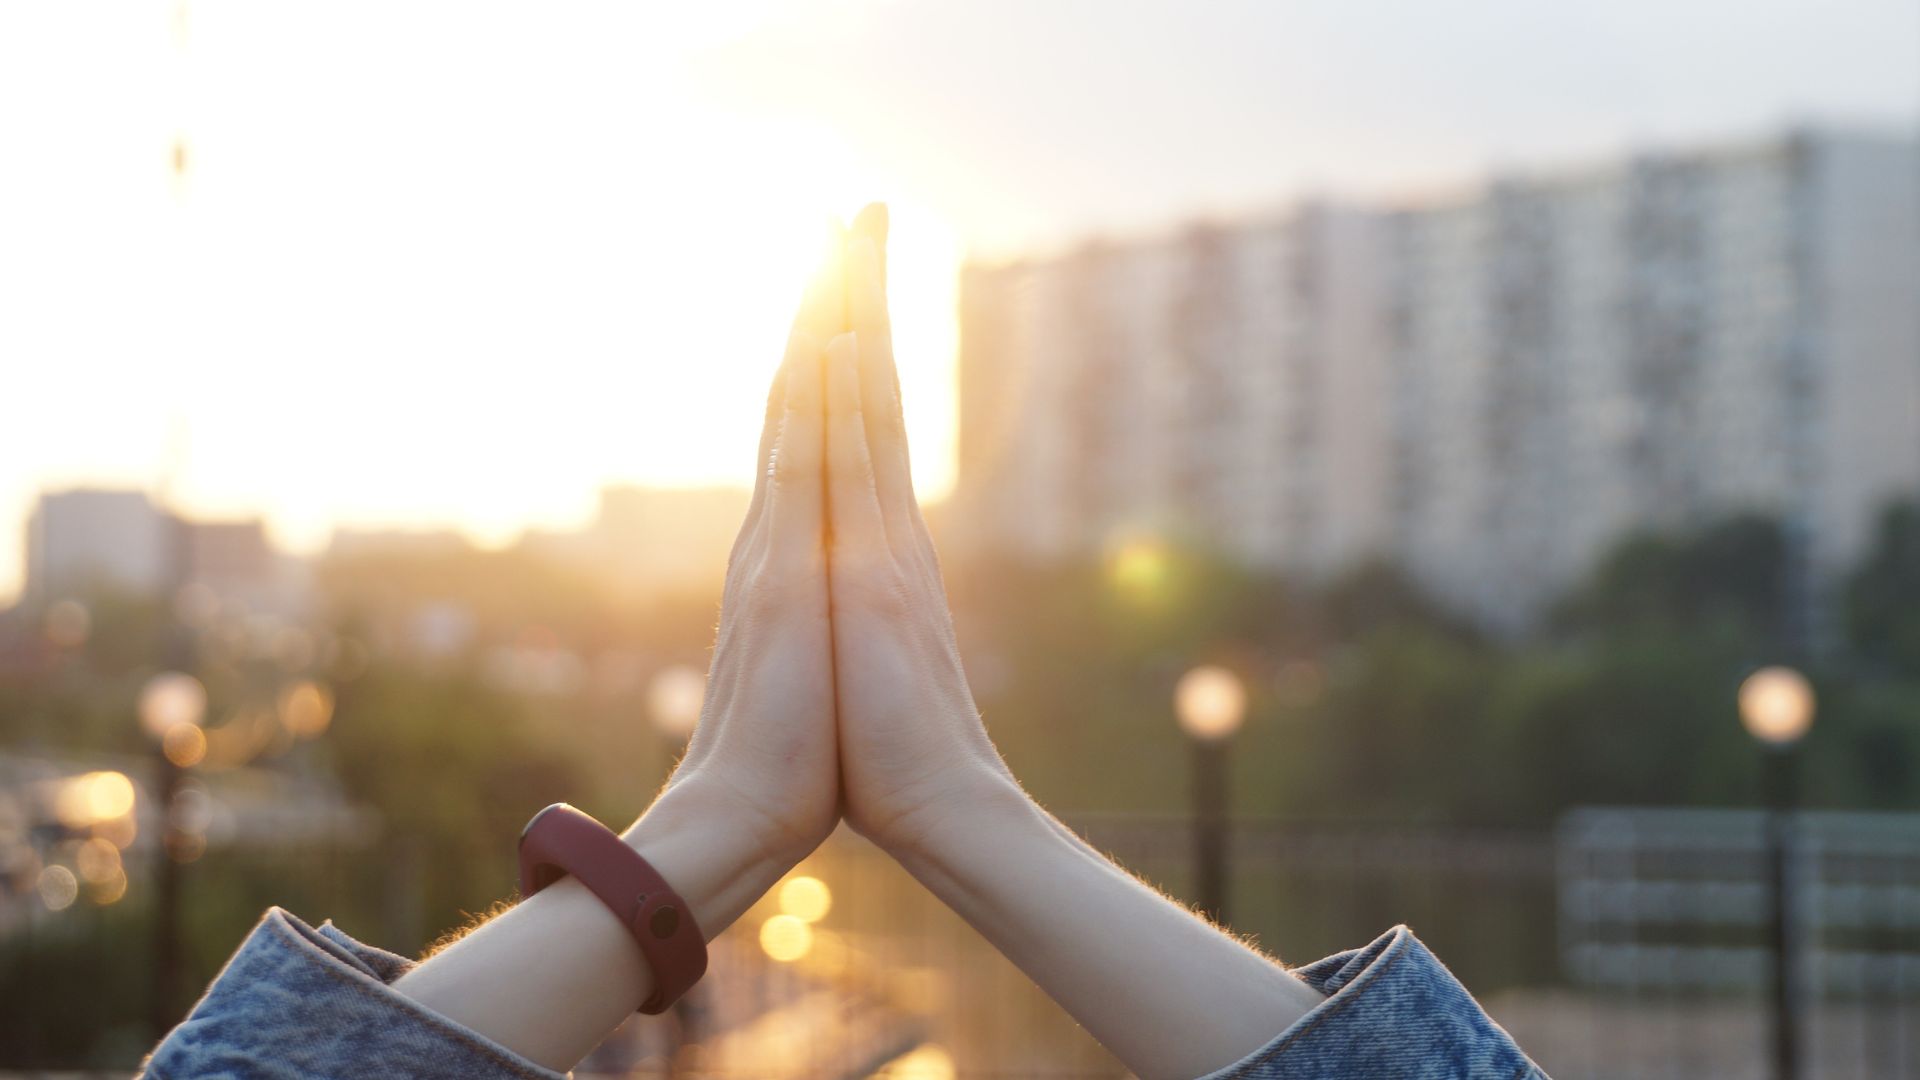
(465, 262)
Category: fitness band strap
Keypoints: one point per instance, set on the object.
(561, 840)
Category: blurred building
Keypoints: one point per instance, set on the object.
(645, 540)
(352, 542)
(1226, 386)
(84, 541)
(1488, 389)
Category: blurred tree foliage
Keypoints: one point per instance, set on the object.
(1368, 702)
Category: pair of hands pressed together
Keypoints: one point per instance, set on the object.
(836, 690)
(836, 686)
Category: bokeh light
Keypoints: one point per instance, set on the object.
(93, 798)
(110, 890)
(185, 745)
(786, 938)
(306, 708)
(97, 860)
(169, 699)
(1140, 569)
(1776, 705)
(674, 697)
(67, 624)
(1210, 702)
(805, 898)
(58, 887)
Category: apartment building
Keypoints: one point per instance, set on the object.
(1488, 389)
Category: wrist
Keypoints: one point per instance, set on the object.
(709, 850)
(975, 802)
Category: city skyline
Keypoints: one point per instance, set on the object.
(375, 302)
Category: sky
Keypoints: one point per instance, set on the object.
(463, 263)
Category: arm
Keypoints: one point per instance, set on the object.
(553, 976)
(545, 982)
(1168, 993)
(757, 791)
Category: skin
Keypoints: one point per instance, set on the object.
(837, 688)
(757, 790)
(1167, 993)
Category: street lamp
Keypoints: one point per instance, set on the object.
(172, 704)
(1776, 708)
(1210, 703)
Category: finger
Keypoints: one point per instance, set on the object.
(854, 508)
(823, 312)
(819, 318)
(794, 502)
(880, 390)
(770, 434)
(871, 222)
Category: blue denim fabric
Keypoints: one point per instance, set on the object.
(1393, 1010)
(295, 1001)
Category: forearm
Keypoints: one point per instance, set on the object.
(553, 976)
(1170, 995)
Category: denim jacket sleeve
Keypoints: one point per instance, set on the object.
(1393, 1012)
(296, 1001)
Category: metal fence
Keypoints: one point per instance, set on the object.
(1622, 943)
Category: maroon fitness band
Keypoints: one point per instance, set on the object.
(561, 840)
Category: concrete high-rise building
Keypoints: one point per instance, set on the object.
(84, 540)
(1489, 390)
(88, 540)
(1224, 387)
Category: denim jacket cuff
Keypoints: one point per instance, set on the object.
(296, 1001)
(1393, 1012)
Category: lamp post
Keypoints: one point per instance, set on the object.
(1210, 703)
(1776, 707)
(170, 703)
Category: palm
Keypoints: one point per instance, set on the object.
(767, 728)
(907, 724)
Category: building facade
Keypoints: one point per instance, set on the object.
(91, 540)
(1487, 390)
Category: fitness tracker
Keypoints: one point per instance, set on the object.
(561, 840)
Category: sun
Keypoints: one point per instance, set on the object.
(750, 232)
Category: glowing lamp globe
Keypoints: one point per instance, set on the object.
(1776, 705)
(1210, 703)
(170, 699)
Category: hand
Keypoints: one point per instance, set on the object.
(912, 748)
(757, 790)
(762, 759)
